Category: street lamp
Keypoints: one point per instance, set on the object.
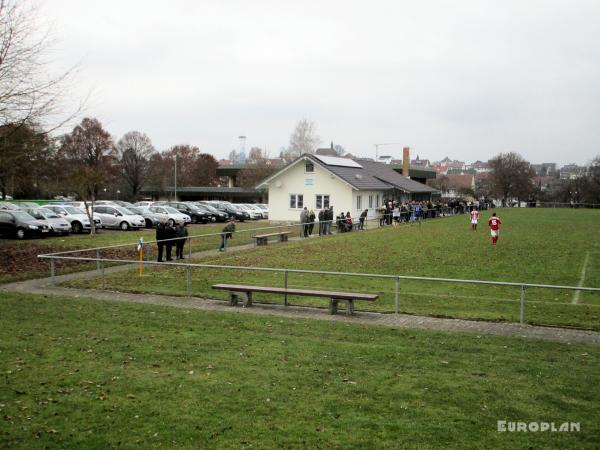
(118, 192)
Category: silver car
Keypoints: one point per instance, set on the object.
(79, 220)
(57, 224)
(118, 217)
(171, 214)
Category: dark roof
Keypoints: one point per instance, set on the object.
(204, 189)
(387, 174)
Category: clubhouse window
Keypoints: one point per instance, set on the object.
(296, 201)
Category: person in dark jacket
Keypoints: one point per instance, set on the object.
(227, 233)
(311, 222)
(329, 219)
(160, 235)
(321, 224)
(181, 232)
(361, 219)
(170, 233)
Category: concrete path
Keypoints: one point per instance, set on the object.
(563, 335)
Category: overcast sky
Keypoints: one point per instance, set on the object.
(465, 79)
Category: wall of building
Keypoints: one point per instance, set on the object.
(295, 180)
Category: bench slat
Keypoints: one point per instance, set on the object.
(272, 234)
(291, 291)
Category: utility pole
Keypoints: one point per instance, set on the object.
(175, 199)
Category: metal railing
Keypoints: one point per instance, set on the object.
(522, 286)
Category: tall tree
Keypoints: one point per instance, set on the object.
(29, 90)
(512, 176)
(304, 139)
(258, 167)
(90, 159)
(135, 151)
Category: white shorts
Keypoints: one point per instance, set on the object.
(495, 233)
(474, 221)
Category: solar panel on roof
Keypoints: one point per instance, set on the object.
(341, 162)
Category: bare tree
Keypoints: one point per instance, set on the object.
(135, 151)
(29, 91)
(89, 157)
(339, 150)
(304, 139)
(512, 176)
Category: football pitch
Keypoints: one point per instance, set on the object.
(79, 373)
(542, 246)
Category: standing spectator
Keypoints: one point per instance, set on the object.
(160, 235)
(181, 232)
(170, 234)
(362, 218)
(321, 224)
(329, 220)
(494, 223)
(227, 233)
(311, 222)
(304, 221)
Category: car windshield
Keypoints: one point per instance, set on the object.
(170, 210)
(209, 208)
(22, 215)
(73, 210)
(135, 209)
(45, 213)
(124, 211)
(262, 207)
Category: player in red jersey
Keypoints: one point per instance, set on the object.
(474, 218)
(494, 224)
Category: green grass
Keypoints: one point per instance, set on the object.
(545, 246)
(84, 374)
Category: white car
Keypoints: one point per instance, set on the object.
(143, 203)
(171, 214)
(57, 224)
(118, 217)
(263, 212)
(254, 214)
(76, 217)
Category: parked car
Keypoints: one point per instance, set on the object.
(230, 209)
(123, 204)
(263, 213)
(171, 214)
(58, 225)
(143, 203)
(264, 208)
(78, 219)
(19, 224)
(151, 219)
(220, 216)
(254, 214)
(24, 205)
(196, 214)
(7, 206)
(118, 217)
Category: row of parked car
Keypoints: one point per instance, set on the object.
(30, 219)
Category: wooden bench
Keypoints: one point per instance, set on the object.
(245, 291)
(263, 239)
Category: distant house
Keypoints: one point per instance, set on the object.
(350, 185)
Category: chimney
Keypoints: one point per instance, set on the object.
(405, 161)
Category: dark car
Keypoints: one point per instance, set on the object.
(220, 216)
(230, 209)
(197, 215)
(19, 224)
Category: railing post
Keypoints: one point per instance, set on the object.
(522, 312)
(103, 277)
(190, 245)
(97, 260)
(189, 281)
(52, 272)
(285, 300)
(397, 295)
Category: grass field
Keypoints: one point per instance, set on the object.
(83, 374)
(546, 246)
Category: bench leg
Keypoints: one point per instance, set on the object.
(350, 307)
(283, 238)
(333, 306)
(233, 298)
(248, 300)
(261, 241)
